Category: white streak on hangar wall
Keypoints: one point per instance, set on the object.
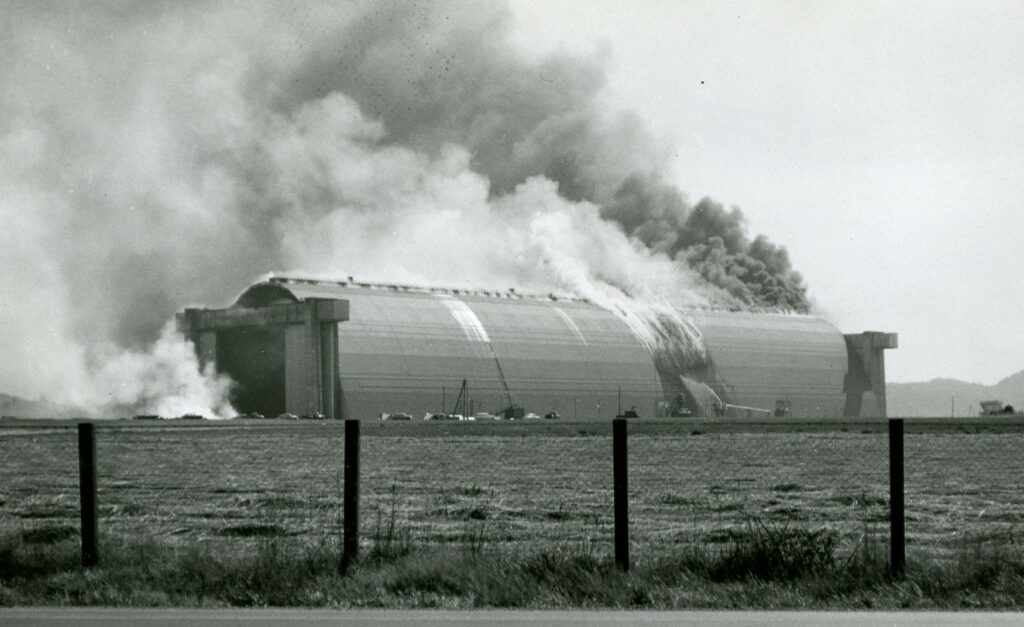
(408, 349)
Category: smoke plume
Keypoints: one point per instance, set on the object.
(163, 155)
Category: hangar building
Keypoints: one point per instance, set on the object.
(353, 349)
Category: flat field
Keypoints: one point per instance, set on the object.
(516, 485)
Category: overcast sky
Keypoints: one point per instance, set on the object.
(881, 142)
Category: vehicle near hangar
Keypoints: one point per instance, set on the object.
(996, 408)
(361, 350)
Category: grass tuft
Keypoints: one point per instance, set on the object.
(775, 553)
(389, 541)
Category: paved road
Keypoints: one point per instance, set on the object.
(62, 617)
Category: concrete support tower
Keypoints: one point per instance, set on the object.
(865, 375)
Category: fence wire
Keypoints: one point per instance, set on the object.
(521, 487)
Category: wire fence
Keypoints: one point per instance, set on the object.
(526, 487)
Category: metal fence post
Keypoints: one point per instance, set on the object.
(620, 479)
(896, 499)
(87, 492)
(350, 507)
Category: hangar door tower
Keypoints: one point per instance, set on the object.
(282, 357)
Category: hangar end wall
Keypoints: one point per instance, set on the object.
(235, 341)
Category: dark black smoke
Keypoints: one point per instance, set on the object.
(439, 73)
(715, 244)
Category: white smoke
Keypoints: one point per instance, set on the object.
(154, 157)
(402, 217)
(163, 380)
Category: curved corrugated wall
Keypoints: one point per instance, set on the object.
(408, 350)
(759, 359)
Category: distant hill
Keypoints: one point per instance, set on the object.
(24, 408)
(938, 396)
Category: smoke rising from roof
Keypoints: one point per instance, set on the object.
(435, 79)
(156, 156)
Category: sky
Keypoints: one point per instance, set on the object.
(881, 142)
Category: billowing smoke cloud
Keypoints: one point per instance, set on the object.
(156, 156)
(438, 76)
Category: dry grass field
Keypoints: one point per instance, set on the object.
(522, 486)
(723, 515)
